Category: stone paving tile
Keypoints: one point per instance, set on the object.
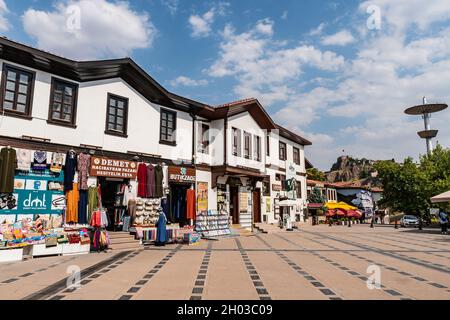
(175, 280)
(228, 279)
(281, 280)
(308, 265)
(39, 280)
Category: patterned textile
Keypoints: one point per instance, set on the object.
(40, 160)
(57, 162)
(84, 161)
(23, 160)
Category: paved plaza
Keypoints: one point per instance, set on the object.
(319, 263)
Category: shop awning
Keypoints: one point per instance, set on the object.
(287, 203)
(219, 171)
(340, 205)
(441, 198)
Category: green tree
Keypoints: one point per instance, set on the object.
(409, 186)
(315, 174)
(316, 196)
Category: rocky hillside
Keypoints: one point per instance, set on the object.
(347, 168)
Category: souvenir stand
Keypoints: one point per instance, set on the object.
(33, 206)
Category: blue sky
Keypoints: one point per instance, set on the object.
(338, 72)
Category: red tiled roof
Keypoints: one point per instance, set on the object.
(235, 103)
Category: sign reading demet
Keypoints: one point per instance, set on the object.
(104, 167)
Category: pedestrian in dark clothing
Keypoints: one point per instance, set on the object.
(443, 220)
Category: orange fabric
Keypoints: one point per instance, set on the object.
(190, 204)
(72, 198)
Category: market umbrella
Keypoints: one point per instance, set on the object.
(354, 214)
(336, 212)
(440, 198)
(340, 205)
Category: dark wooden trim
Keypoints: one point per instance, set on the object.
(73, 121)
(293, 155)
(168, 143)
(30, 93)
(274, 167)
(203, 167)
(125, 117)
(280, 143)
(174, 129)
(63, 148)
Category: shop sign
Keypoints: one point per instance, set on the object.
(290, 172)
(202, 196)
(181, 174)
(104, 167)
(276, 187)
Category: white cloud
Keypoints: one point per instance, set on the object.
(171, 5)
(340, 38)
(188, 82)
(317, 31)
(402, 14)
(265, 68)
(201, 25)
(4, 23)
(101, 32)
(284, 16)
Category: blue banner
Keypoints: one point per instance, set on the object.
(34, 193)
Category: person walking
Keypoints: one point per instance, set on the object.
(443, 220)
(161, 231)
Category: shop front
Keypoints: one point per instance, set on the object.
(239, 190)
(34, 204)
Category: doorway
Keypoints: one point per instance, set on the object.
(257, 206)
(234, 204)
(111, 198)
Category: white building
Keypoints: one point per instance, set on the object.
(114, 109)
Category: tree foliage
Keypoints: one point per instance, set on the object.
(315, 174)
(408, 186)
(316, 196)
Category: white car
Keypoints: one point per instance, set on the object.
(408, 221)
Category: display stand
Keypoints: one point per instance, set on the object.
(213, 224)
(11, 254)
(174, 231)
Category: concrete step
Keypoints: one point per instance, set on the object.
(123, 240)
(267, 228)
(119, 235)
(126, 246)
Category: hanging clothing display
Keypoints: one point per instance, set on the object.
(150, 181)
(69, 169)
(82, 207)
(92, 201)
(132, 210)
(40, 161)
(142, 180)
(84, 161)
(72, 197)
(190, 204)
(128, 195)
(165, 170)
(23, 160)
(179, 203)
(165, 207)
(158, 182)
(8, 165)
(57, 162)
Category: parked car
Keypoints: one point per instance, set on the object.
(408, 221)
